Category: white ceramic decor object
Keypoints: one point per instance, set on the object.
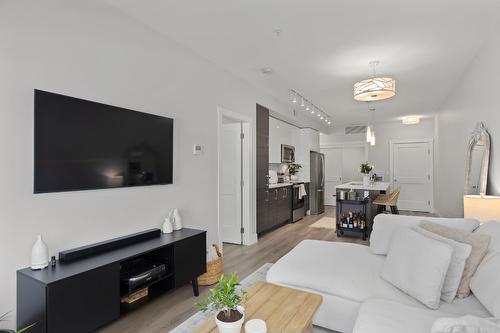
(176, 219)
(234, 327)
(167, 227)
(366, 180)
(39, 254)
(255, 326)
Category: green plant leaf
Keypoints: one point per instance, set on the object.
(225, 296)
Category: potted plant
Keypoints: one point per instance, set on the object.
(225, 300)
(365, 170)
(293, 169)
(4, 318)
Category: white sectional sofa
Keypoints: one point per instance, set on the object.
(355, 297)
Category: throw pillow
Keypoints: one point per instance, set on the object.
(479, 245)
(466, 324)
(461, 252)
(485, 284)
(417, 265)
(384, 226)
(491, 228)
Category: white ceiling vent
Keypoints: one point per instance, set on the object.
(355, 129)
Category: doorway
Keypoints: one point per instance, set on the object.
(411, 168)
(342, 163)
(234, 147)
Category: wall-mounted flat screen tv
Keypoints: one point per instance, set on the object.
(84, 145)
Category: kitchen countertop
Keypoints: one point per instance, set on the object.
(277, 185)
(377, 186)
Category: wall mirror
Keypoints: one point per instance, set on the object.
(478, 156)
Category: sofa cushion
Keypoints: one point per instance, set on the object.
(346, 275)
(466, 324)
(418, 265)
(378, 315)
(485, 284)
(479, 245)
(461, 252)
(346, 270)
(384, 226)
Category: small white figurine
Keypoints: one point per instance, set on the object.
(168, 227)
(176, 219)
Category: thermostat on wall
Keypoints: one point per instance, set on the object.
(197, 149)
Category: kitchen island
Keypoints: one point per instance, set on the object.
(355, 211)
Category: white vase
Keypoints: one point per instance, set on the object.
(39, 254)
(366, 180)
(167, 227)
(234, 327)
(294, 177)
(176, 219)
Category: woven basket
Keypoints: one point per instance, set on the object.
(214, 270)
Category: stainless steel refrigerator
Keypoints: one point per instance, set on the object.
(317, 186)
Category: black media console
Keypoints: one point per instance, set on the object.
(82, 295)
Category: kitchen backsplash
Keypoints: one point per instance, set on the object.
(278, 167)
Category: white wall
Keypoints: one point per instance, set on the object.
(378, 155)
(474, 99)
(89, 50)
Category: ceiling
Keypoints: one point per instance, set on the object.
(325, 46)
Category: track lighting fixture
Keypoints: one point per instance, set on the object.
(310, 107)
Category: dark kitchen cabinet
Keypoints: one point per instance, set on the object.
(274, 206)
(280, 207)
(262, 169)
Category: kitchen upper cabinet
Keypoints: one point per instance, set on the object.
(280, 133)
(276, 136)
(309, 141)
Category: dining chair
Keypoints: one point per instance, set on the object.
(391, 200)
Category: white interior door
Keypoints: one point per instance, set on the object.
(411, 169)
(352, 157)
(333, 173)
(230, 183)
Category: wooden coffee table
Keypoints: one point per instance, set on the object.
(285, 310)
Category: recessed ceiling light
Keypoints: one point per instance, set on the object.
(410, 120)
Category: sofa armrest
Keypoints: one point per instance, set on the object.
(384, 226)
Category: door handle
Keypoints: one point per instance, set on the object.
(267, 195)
(275, 194)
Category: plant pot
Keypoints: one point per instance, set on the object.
(294, 177)
(366, 180)
(231, 327)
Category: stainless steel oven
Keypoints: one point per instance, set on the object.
(297, 204)
(287, 154)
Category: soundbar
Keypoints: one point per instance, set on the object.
(109, 245)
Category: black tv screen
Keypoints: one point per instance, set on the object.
(83, 145)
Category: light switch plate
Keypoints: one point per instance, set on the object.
(197, 149)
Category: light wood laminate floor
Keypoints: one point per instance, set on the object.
(169, 310)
